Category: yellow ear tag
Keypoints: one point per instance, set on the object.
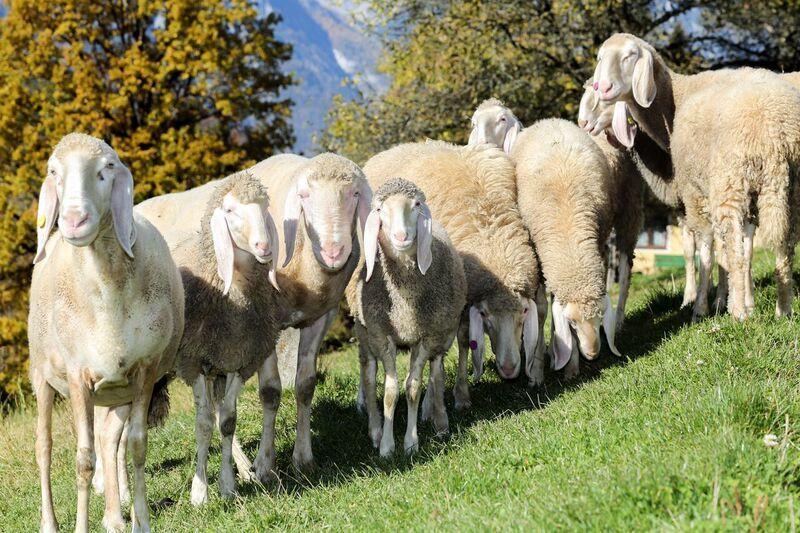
(630, 120)
(41, 221)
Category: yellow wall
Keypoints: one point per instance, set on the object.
(644, 260)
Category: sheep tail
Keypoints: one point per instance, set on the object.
(774, 209)
(159, 402)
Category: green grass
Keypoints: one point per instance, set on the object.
(669, 438)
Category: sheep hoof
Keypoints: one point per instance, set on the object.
(411, 446)
(306, 466)
(49, 527)
(442, 428)
(571, 373)
(199, 493)
(114, 525)
(462, 399)
(376, 436)
(387, 448)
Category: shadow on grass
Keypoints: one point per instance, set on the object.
(343, 450)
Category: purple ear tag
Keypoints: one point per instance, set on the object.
(473, 345)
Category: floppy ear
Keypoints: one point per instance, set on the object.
(291, 218)
(530, 335)
(623, 125)
(274, 249)
(511, 136)
(562, 340)
(364, 203)
(476, 342)
(223, 248)
(473, 136)
(371, 229)
(424, 239)
(45, 215)
(610, 325)
(644, 83)
(122, 207)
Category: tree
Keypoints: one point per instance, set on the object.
(446, 56)
(185, 91)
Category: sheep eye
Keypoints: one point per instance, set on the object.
(417, 203)
(356, 194)
(502, 119)
(100, 175)
(110, 165)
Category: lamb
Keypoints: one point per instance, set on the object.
(734, 145)
(471, 191)
(96, 287)
(565, 196)
(495, 123)
(317, 199)
(228, 271)
(412, 296)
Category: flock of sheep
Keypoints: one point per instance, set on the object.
(429, 242)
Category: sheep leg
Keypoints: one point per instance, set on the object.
(625, 265)
(369, 367)
(734, 251)
(113, 424)
(269, 392)
(45, 395)
(122, 465)
(227, 427)
(83, 415)
(784, 257)
(461, 390)
(721, 298)
(98, 478)
(390, 393)
(427, 398)
(706, 264)
(137, 441)
(305, 383)
(202, 389)
(690, 288)
(419, 356)
(538, 363)
(749, 298)
(440, 421)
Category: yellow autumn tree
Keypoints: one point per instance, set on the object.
(185, 91)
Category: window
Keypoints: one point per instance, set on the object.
(654, 234)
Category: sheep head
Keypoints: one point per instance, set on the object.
(241, 226)
(85, 181)
(399, 218)
(494, 123)
(584, 321)
(327, 192)
(624, 71)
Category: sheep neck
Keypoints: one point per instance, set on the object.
(657, 120)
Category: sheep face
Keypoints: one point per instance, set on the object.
(586, 329)
(503, 324)
(329, 208)
(494, 124)
(624, 71)
(85, 181)
(584, 321)
(249, 226)
(399, 222)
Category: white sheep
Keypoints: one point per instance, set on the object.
(471, 191)
(228, 271)
(735, 146)
(405, 296)
(565, 189)
(495, 123)
(106, 317)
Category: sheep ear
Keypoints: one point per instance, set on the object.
(476, 342)
(562, 341)
(530, 335)
(274, 250)
(424, 239)
(292, 208)
(371, 229)
(223, 248)
(473, 136)
(644, 83)
(511, 136)
(45, 215)
(623, 125)
(364, 203)
(122, 208)
(610, 325)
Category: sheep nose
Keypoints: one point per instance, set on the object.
(332, 252)
(605, 87)
(75, 218)
(595, 85)
(262, 248)
(508, 370)
(400, 235)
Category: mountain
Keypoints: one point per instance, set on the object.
(329, 50)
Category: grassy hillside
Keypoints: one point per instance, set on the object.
(672, 437)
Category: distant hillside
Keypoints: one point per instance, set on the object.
(328, 49)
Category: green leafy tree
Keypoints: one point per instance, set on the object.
(185, 90)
